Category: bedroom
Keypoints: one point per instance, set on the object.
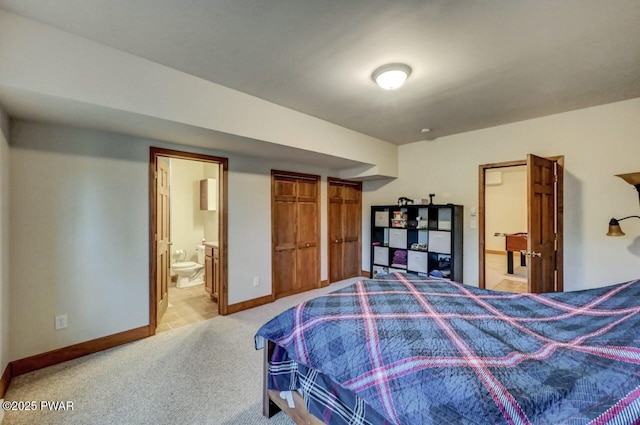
(598, 142)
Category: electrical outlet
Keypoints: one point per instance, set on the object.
(256, 281)
(61, 322)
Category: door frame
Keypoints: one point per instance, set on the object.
(559, 160)
(162, 181)
(358, 185)
(154, 154)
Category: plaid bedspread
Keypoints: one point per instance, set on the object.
(439, 352)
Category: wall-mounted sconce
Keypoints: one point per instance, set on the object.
(633, 179)
(208, 194)
(614, 226)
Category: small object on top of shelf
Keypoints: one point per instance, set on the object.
(420, 201)
(431, 195)
(403, 200)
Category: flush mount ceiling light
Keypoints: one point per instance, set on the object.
(391, 76)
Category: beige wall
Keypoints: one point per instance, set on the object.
(211, 171)
(4, 243)
(51, 63)
(79, 211)
(187, 220)
(505, 205)
(597, 143)
(79, 220)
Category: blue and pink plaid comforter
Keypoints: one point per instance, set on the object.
(438, 352)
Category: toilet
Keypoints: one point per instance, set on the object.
(190, 273)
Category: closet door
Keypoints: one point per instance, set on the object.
(308, 239)
(284, 235)
(336, 232)
(295, 236)
(352, 213)
(344, 215)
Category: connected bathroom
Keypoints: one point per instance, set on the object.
(193, 224)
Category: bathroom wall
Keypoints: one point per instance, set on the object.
(211, 171)
(505, 205)
(187, 221)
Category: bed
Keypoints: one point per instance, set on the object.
(402, 349)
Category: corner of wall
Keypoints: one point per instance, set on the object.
(4, 125)
(4, 247)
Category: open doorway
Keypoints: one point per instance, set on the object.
(188, 272)
(537, 250)
(505, 216)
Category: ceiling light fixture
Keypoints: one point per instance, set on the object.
(391, 76)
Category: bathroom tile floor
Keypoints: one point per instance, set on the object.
(187, 305)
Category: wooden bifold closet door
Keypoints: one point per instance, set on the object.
(295, 233)
(345, 213)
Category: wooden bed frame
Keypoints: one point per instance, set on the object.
(272, 403)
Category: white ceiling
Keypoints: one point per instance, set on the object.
(476, 63)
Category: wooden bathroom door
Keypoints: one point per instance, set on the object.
(162, 237)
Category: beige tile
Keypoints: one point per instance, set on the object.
(188, 305)
(169, 317)
(163, 327)
(177, 323)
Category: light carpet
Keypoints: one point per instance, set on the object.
(204, 373)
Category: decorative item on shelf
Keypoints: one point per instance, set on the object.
(403, 200)
(420, 201)
(399, 219)
(399, 258)
(422, 223)
(431, 195)
(419, 246)
(614, 226)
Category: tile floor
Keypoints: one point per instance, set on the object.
(187, 305)
(497, 279)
